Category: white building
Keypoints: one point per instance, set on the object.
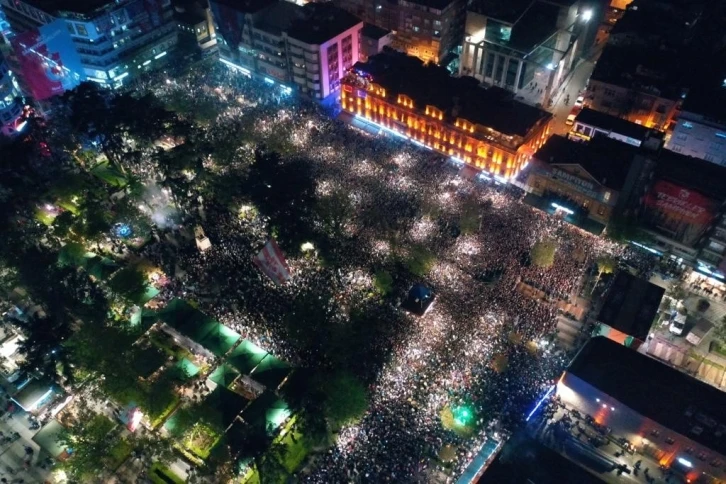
(700, 134)
(308, 47)
(114, 38)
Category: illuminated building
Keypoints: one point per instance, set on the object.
(428, 29)
(590, 123)
(587, 182)
(11, 109)
(671, 418)
(308, 47)
(372, 40)
(514, 45)
(195, 20)
(485, 128)
(114, 39)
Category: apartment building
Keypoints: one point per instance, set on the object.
(308, 48)
(431, 30)
(114, 38)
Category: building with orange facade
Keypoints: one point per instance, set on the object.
(667, 417)
(485, 128)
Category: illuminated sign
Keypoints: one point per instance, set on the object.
(584, 186)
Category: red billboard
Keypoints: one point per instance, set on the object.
(680, 213)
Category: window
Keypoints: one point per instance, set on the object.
(654, 433)
(416, 28)
(682, 137)
(677, 148)
(606, 196)
(378, 8)
(81, 30)
(669, 441)
(601, 212)
(609, 92)
(702, 456)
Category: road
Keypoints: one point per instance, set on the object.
(574, 84)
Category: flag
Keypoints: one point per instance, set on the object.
(271, 261)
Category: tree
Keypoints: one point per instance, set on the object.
(543, 253)
(129, 283)
(346, 399)
(605, 265)
(419, 261)
(72, 254)
(91, 439)
(470, 217)
(383, 282)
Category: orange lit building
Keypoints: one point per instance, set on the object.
(669, 417)
(485, 128)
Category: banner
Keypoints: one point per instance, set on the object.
(48, 60)
(679, 213)
(271, 261)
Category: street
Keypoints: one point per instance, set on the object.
(573, 86)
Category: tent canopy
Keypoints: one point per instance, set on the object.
(271, 372)
(219, 340)
(224, 375)
(48, 438)
(226, 404)
(267, 410)
(246, 357)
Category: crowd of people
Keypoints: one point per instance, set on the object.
(403, 198)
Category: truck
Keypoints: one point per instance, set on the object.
(699, 331)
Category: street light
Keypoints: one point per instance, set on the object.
(587, 15)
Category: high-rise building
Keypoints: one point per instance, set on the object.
(309, 47)
(485, 128)
(114, 38)
(431, 30)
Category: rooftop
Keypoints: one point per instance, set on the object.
(630, 305)
(373, 32)
(524, 459)
(244, 6)
(642, 69)
(606, 160)
(457, 97)
(612, 123)
(279, 17)
(83, 7)
(660, 21)
(644, 384)
(696, 174)
(530, 22)
(322, 22)
(707, 96)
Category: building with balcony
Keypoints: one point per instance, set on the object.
(670, 418)
(522, 45)
(485, 128)
(431, 30)
(308, 47)
(11, 108)
(115, 39)
(587, 183)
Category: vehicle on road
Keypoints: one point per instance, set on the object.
(573, 114)
(580, 101)
(678, 324)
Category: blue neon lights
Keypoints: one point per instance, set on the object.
(385, 128)
(540, 402)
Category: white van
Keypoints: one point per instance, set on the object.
(678, 324)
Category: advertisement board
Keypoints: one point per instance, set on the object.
(48, 60)
(679, 213)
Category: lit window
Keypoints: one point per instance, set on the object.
(687, 125)
(606, 197)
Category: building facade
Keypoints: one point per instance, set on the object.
(308, 48)
(486, 129)
(700, 136)
(431, 30)
(618, 388)
(594, 180)
(115, 39)
(11, 109)
(372, 40)
(518, 48)
(590, 123)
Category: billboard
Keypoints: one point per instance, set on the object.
(271, 261)
(48, 60)
(680, 213)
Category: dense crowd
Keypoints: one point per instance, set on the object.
(403, 197)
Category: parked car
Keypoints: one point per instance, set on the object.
(678, 324)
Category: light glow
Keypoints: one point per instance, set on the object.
(540, 402)
(564, 209)
(684, 462)
(159, 56)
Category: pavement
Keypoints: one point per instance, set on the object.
(12, 455)
(574, 84)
